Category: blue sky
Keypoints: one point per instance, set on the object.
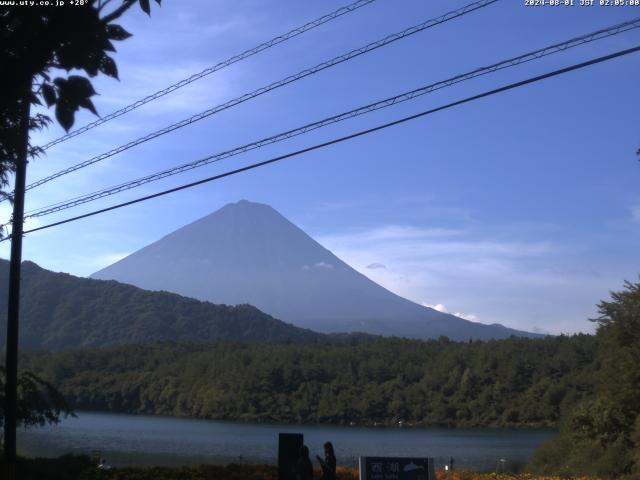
(522, 209)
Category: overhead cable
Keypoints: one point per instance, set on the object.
(209, 70)
(387, 102)
(361, 133)
(280, 83)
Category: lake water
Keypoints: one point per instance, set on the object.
(146, 440)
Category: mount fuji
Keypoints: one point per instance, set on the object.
(248, 253)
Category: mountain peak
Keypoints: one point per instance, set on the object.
(245, 205)
(248, 204)
(243, 208)
(239, 214)
(247, 252)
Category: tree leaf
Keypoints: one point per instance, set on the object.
(108, 46)
(144, 5)
(80, 86)
(65, 114)
(49, 94)
(73, 92)
(116, 32)
(35, 100)
(93, 64)
(108, 66)
(88, 104)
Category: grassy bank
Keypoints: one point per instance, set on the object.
(83, 468)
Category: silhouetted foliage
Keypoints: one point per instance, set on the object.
(38, 40)
(39, 402)
(514, 382)
(601, 436)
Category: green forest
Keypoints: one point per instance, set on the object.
(194, 359)
(601, 435)
(586, 385)
(515, 382)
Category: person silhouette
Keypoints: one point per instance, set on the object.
(305, 467)
(328, 464)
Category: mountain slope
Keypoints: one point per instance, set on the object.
(249, 253)
(59, 311)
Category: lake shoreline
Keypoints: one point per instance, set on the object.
(135, 440)
(540, 426)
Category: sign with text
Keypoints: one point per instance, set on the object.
(396, 468)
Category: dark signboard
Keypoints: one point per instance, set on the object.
(289, 445)
(396, 468)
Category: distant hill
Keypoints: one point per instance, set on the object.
(248, 253)
(60, 311)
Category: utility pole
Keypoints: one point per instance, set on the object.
(13, 314)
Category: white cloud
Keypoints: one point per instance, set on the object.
(467, 316)
(323, 265)
(320, 265)
(490, 276)
(420, 254)
(441, 308)
(392, 232)
(146, 79)
(376, 266)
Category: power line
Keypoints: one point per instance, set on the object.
(208, 71)
(505, 88)
(280, 83)
(527, 57)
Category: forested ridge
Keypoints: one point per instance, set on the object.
(59, 310)
(503, 383)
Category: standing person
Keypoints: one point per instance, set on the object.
(329, 463)
(305, 468)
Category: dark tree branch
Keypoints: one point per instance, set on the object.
(118, 12)
(103, 4)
